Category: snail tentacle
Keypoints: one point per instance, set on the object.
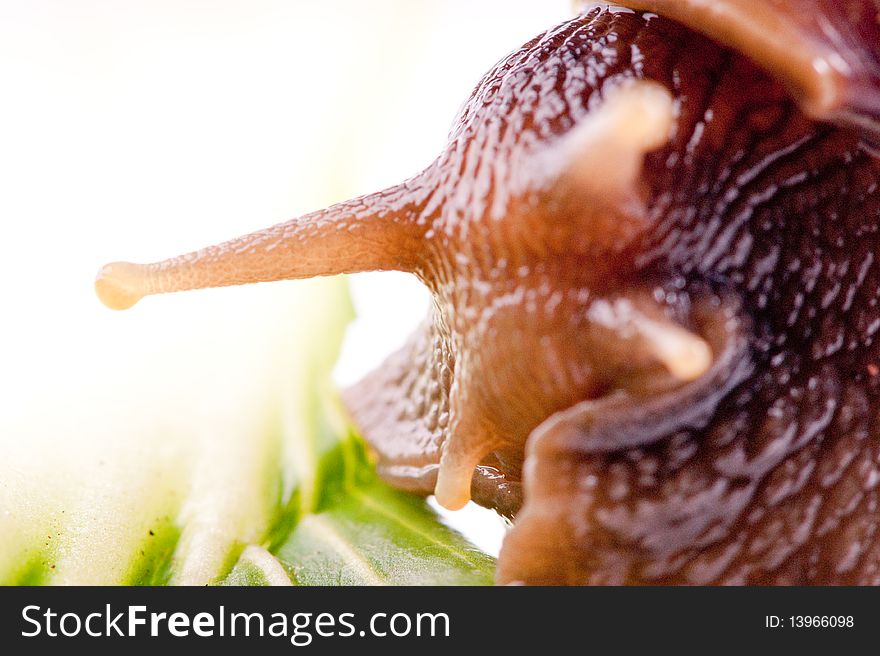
(377, 232)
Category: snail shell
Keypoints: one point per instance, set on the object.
(651, 243)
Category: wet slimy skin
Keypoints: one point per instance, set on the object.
(652, 341)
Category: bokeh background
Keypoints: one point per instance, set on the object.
(139, 129)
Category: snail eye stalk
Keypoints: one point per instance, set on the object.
(371, 233)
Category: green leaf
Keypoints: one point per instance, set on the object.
(366, 533)
(251, 475)
(378, 536)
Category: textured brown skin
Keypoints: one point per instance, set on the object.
(754, 228)
(824, 51)
(776, 482)
(780, 486)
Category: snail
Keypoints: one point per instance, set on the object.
(652, 244)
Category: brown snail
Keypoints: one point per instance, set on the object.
(652, 242)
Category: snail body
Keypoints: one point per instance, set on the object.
(651, 243)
